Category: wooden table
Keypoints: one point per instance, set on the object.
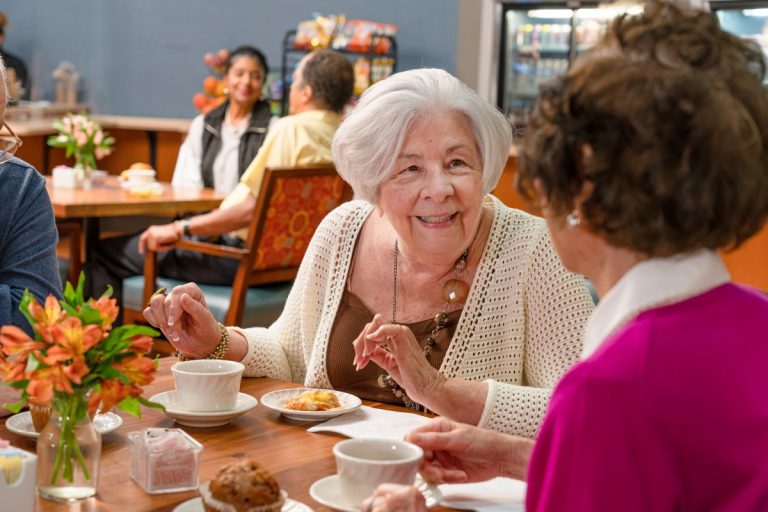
(295, 457)
(109, 199)
(78, 211)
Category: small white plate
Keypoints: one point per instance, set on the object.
(22, 424)
(327, 491)
(196, 505)
(203, 419)
(275, 400)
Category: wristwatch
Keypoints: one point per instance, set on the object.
(185, 228)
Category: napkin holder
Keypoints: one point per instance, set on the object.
(164, 460)
(20, 467)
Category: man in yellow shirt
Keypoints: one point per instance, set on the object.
(322, 85)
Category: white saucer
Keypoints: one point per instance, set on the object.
(275, 399)
(21, 424)
(196, 505)
(327, 491)
(203, 419)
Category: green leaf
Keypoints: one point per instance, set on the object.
(26, 299)
(108, 292)
(109, 372)
(129, 331)
(69, 292)
(89, 315)
(16, 406)
(33, 363)
(131, 406)
(147, 403)
(80, 287)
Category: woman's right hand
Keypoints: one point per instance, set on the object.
(185, 320)
(458, 453)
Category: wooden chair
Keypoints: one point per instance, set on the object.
(70, 266)
(290, 206)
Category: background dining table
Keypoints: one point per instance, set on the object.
(78, 211)
(295, 457)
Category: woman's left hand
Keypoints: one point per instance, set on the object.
(395, 349)
(395, 498)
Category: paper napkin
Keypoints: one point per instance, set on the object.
(497, 495)
(367, 422)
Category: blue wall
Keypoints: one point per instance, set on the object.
(144, 57)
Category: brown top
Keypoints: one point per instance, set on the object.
(350, 321)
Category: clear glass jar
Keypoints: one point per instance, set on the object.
(68, 455)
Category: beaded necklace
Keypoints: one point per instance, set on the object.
(455, 290)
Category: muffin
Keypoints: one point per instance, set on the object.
(40, 416)
(242, 486)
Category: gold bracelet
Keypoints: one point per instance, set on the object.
(221, 348)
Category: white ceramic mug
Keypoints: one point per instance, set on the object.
(363, 464)
(207, 385)
(64, 177)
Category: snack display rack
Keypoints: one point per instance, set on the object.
(377, 63)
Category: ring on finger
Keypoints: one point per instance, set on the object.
(159, 291)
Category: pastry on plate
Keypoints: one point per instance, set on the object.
(242, 486)
(313, 400)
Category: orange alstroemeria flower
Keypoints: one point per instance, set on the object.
(112, 392)
(46, 317)
(49, 315)
(56, 376)
(77, 370)
(16, 342)
(73, 338)
(139, 369)
(13, 369)
(40, 392)
(108, 309)
(141, 344)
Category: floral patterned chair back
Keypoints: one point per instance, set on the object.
(296, 200)
(290, 206)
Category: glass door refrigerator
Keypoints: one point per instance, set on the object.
(746, 19)
(541, 40)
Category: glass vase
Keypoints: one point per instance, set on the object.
(83, 176)
(68, 454)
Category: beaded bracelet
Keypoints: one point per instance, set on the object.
(221, 348)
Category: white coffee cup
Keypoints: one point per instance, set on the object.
(207, 385)
(363, 464)
(64, 177)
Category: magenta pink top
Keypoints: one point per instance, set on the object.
(670, 413)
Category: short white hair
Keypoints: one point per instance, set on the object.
(369, 139)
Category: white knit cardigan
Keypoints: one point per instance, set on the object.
(520, 330)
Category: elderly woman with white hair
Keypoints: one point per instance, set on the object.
(486, 316)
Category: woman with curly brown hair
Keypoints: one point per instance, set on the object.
(646, 158)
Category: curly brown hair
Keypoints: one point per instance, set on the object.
(676, 115)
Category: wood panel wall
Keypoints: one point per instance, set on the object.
(748, 264)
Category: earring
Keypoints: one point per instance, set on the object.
(573, 219)
(225, 91)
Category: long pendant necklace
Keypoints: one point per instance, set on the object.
(455, 290)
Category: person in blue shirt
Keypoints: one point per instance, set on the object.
(28, 235)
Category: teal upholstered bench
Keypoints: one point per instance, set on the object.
(263, 303)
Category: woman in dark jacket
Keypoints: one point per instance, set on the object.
(222, 143)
